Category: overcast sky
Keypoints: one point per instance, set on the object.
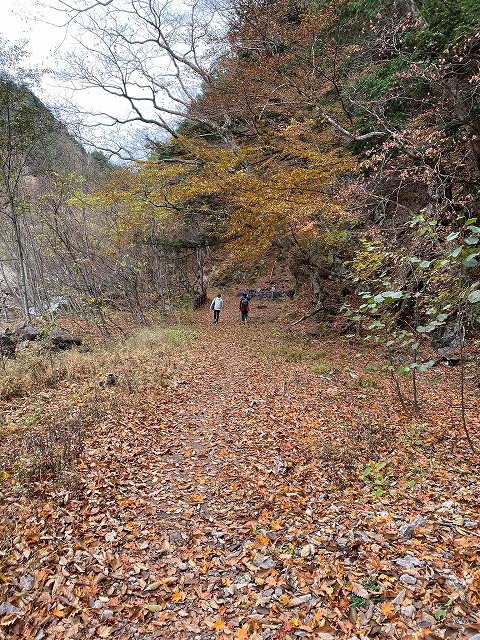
(46, 41)
(24, 19)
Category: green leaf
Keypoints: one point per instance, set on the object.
(440, 614)
(425, 366)
(474, 297)
(424, 264)
(473, 229)
(472, 240)
(456, 252)
(416, 220)
(453, 236)
(442, 317)
(470, 221)
(396, 295)
(401, 371)
(470, 262)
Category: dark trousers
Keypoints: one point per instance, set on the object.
(216, 315)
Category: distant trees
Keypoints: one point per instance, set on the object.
(33, 144)
(25, 125)
(116, 247)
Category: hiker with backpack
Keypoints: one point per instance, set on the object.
(244, 308)
(217, 306)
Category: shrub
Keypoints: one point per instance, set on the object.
(47, 446)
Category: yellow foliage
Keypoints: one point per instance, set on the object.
(281, 185)
(135, 199)
(368, 261)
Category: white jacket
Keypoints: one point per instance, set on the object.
(217, 303)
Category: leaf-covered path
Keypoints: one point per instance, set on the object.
(238, 501)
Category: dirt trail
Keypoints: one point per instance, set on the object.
(183, 475)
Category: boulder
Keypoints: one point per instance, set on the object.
(26, 331)
(473, 312)
(448, 337)
(265, 293)
(63, 340)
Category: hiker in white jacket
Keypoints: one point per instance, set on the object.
(217, 306)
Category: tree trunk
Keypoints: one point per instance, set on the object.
(21, 259)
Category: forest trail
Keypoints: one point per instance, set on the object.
(236, 502)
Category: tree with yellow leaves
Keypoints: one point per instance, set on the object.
(279, 192)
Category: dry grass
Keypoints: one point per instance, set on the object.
(33, 368)
(147, 358)
(46, 447)
(143, 359)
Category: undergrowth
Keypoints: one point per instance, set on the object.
(44, 447)
(144, 358)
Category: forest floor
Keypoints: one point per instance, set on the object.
(265, 484)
